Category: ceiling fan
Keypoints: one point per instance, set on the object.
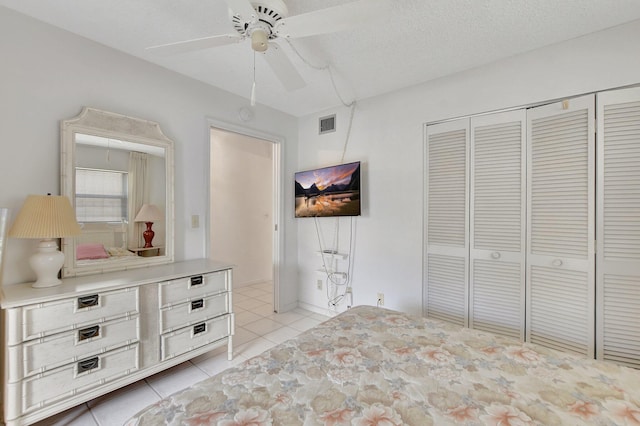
(264, 21)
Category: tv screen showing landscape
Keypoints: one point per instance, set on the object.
(329, 191)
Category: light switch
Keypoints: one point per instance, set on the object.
(195, 221)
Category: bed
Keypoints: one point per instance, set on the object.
(373, 366)
(102, 241)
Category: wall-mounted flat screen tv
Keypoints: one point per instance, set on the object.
(329, 191)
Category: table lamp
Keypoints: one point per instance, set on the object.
(46, 217)
(148, 214)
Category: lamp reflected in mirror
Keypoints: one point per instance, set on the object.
(148, 214)
(46, 217)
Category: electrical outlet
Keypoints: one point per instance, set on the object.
(195, 221)
(319, 284)
(380, 299)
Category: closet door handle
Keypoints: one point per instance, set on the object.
(87, 301)
(495, 255)
(88, 333)
(557, 262)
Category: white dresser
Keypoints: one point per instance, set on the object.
(91, 335)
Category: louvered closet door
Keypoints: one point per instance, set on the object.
(560, 225)
(446, 222)
(497, 255)
(618, 258)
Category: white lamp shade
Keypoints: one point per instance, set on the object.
(149, 213)
(45, 216)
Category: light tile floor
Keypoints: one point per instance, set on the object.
(258, 328)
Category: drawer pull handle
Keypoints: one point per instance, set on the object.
(200, 328)
(87, 301)
(196, 281)
(88, 364)
(89, 332)
(197, 304)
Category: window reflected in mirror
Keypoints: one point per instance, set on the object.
(101, 195)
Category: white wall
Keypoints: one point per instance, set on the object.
(387, 136)
(48, 75)
(242, 205)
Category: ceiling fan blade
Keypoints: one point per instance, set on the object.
(242, 8)
(333, 19)
(196, 44)
(283, 68)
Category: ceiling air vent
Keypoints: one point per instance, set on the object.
(327, 124)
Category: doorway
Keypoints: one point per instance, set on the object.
(243, 198)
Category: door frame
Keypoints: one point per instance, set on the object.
(277, 142)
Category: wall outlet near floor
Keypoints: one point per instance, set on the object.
(380, 299)
(319, 284)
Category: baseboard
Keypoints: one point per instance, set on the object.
(288, 307)
(317, 309)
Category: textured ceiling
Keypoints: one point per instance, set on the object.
(420, 40)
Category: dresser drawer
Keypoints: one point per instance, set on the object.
(84, 375)
(196, 310)
(189, 288)
(201, 334)
(53, 317)
(48, 353)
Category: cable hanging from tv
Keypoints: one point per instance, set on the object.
(336, 279)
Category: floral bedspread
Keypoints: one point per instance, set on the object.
(372, 366)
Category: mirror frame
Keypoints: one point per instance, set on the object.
(96, 122)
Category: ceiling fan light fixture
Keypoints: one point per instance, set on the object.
(259, 40)
(253, 94)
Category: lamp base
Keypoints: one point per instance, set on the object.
(46, 263)
(148, 235)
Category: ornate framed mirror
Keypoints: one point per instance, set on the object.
(118, 173)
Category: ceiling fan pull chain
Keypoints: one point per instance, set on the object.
(253, 87)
